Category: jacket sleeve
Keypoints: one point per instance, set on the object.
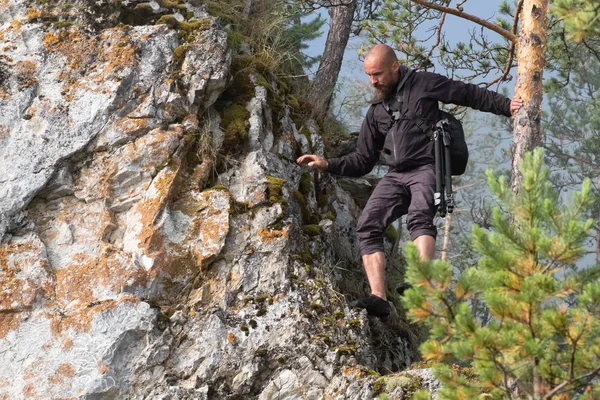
(362, 161)
(446, 90)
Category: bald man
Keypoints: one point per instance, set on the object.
(408, 187)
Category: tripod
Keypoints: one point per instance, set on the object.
(443, 197)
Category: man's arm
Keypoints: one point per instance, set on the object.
(358, 163)
(446, 90)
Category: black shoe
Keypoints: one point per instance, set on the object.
(375, 306)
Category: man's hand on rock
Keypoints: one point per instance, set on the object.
(313, 161)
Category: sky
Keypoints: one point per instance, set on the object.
(455, 28)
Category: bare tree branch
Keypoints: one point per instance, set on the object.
(511, 49)
(459, 13)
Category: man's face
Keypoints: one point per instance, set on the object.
(383, 77)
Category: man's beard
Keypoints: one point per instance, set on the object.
(384, 92)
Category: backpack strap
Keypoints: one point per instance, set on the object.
(423, 125)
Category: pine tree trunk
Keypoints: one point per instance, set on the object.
(530, 66)
(326, 77)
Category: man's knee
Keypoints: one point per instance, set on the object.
(369, 231)
(421, 227)
(426, 246)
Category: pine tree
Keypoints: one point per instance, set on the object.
(544, 339)
(572, 127)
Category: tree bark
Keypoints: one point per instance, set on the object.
(530, 67)
(322, 87)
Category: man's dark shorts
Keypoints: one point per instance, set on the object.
(407, 193)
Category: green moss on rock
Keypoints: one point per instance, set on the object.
(275, 189)
(233, 124)
(180, 52)
(391, 233)
(169, 3)
(312, 230)
(169, 20)
(218, 187)
(305, 184)
(409, 384)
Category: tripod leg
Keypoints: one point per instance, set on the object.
(438, 153)
(449, 197)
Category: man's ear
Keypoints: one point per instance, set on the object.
(396, 66)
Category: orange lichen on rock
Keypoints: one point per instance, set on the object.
(33, 13)
(81, 319)
(19, 292)
(80, 53)
(159, 194)
(102, 367)
(16, 26)
(89, 56)
(29, 391)
(51, 39)
(270, 235)
(68, 344)
(64, 373)
(118, 50)
(26, 73)
(108, 269)
(134, 126)
(9, 322)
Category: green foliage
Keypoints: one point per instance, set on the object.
(581, 17)
(543, 337)
(274, 31)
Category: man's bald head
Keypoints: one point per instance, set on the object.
(382, 54)
(383, 69)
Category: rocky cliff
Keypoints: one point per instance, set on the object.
(158, 241)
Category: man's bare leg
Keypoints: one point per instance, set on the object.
(376, 304)
(375, 268)
(426, 246)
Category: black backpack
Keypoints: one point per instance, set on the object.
(459, 152)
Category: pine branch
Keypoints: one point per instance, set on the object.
(459, 13)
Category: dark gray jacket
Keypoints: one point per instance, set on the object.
(426, 89)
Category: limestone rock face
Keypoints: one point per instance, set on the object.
(132, 264)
